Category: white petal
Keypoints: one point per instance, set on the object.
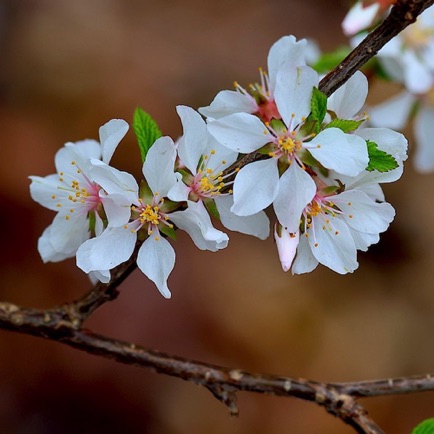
(110, 134)
(159, 166)
(178, 192)
(117, 208)
(359, 18)
(113, 247)
(362, 213)
(197, 223)
(48, 252)
(293, 93)
(296, 190)
(348, 100)
(228, 102)
(257, 224)
(103, 276)
(114, 181)
(363, 240)
(286, 49)
(156, 259)
(424, 132)
(332, 245)
(418, 78)
(304, 262)
(81, 152)
(345, 153)
(393, 113)
(67, 235)
(240, 132)
(256, 186)
(192, 145)
(42, 190)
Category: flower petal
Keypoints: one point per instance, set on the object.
(257, 224)
(197, 223)
(156, 259)
(286, 49)
(345, 153)
(110, 134)
(192, 145)
(392, 113)
(363, 213)
(228, 102)
(46, 191)
(348, 100)
(293, 93)
(424, 132)
(159, 166)
(240, 132)
(256, 186)
(113, 247)
(304, 262)
(296, 190)
(286, 244)
(114, 181)
(332, 245)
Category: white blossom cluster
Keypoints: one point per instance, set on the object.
(408, 59)
(310, 162)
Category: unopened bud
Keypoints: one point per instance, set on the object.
(286, 245)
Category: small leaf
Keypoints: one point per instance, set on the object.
(379, 160)
(318, 107)
(328, 61)
(425, 427)
(146, 129)
(346, 125)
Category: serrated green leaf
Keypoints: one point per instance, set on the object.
(379, 160)
(425, 427)
(318, 109)
(328, 61)
(346, 125)
(147, 131)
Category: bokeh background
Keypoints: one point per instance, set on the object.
(67, 67)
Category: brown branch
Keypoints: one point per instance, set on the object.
(65, 323)
(222, 382)
(403, 13)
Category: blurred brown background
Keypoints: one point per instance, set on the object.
(69, 66)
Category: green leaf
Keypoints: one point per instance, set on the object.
(346, 125)
(328, 61)
(147, 131)
(425, 427)
(379, 160)
(318, 108)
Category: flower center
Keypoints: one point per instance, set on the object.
(84, 193)
(288, 145)
(150, 214)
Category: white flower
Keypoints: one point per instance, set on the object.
(360, 17)
(395, 113)
(206, 160)
(409, 57)
(80, 202)
(334, 225)
(259, 99)
(257, 184)
(149, 218)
